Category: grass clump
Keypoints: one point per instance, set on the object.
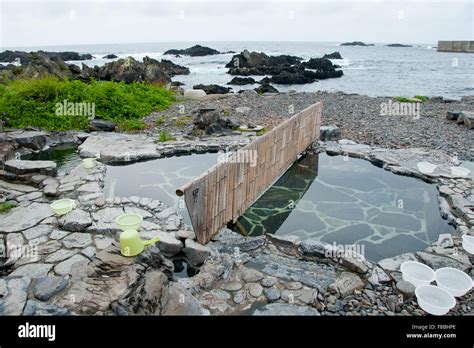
(33, 103)
(164, 136)
(415, 99)
(160, 120)
(6, 207)
(184, 121)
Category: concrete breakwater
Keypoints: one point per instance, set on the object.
(456, 46)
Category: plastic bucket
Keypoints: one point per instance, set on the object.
(460, 171)
(456, 282)
(62, 206)
(417, 273)
(434, 300)
(129, 221)
(468, 243)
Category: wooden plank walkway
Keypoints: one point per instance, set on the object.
(226, 190)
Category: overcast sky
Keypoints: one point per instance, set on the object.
(68, 22)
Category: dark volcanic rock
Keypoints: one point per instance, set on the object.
(266, 88)
(102, 125)
(398, 45)
(247, 59)
(356, 43)
(324, 68)
(284, 69)
(25, 57)
(195, 51)
(110, 56)
(334, 55)
(169, 67)
(213, 89)
(129, 70)
(286, 78)
(211, 121)
(240, 81)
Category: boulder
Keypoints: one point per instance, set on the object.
(240, 81)
(129, 70)
(334, 55)
(169, 67)
(34, 140)
(213, 89)
(176, 300)
(110, 56)
(75, 221)
(195, 94)
(194, 51)
(266, 88)
(195, 252)
(329, 133)
(47, 287)
(102, 125)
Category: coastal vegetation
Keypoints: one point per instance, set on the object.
(33, 103)
(6, 207)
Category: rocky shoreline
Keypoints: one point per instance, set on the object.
(357, 116)
(78, 268)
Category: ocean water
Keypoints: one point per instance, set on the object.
(373, 71)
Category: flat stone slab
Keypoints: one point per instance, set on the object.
(286, 309)
(35, 140)
(27, 167)
(15, 295)
(33, 270)
(22, 218)
(312, 274)
(116, 148)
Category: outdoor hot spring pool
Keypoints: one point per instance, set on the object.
(330, 198)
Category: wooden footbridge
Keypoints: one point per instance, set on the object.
(226, 190)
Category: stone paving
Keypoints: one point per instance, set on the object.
(72, 264)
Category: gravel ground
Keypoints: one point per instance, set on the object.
(358, 117)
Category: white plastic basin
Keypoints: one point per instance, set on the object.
(468, 243)
(62, 206)
(460, 171)
(434, 300)
(129, 221)
(88, 163)
(417, 273)
(426, 167)
(453, 280)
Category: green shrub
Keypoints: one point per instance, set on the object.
(131, 125)
(26, 103)
(164, 136)
(421, 97)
